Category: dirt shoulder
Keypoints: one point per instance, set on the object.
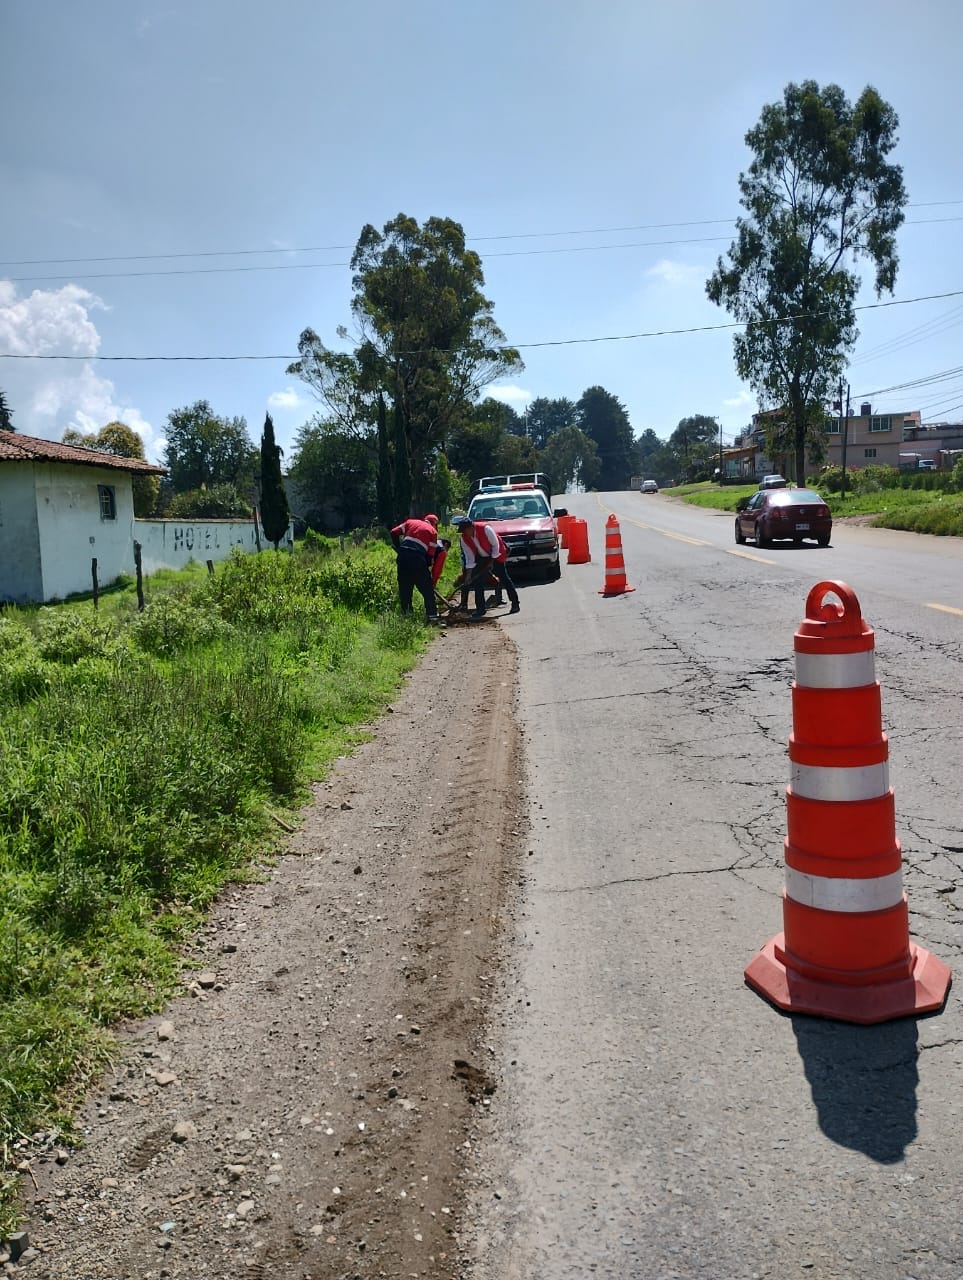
(305, 1109)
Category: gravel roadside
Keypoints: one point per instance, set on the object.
(306, 1107)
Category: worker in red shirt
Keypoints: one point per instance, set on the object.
(415, 542)
(484, 551)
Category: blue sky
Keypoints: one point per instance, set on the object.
(590, 149)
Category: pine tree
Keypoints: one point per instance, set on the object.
(275, 513)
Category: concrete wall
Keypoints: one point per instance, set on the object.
(21, 578)
(171, 544)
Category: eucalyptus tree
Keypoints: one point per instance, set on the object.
(819, 194)
(425, 345)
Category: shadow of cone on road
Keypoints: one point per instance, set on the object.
(615, 583)
(845, 951)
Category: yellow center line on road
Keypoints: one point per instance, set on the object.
(946, 608)
(745, 555)
(654, 528)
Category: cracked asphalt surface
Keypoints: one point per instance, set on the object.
(656, 1118)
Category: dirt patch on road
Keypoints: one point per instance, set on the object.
(305, 1109)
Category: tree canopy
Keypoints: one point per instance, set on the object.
(204, 451)
(602, 417)
(818, 195)
(334, 473)
(426, 345)
(546, 417)
(570, 458)
(695, 442)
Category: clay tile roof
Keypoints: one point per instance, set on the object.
(15, 447)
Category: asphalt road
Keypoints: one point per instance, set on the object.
(656, 1118)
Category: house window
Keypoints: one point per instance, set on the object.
(832, 426)
(108, 504)
(869, 453)
(881, 424)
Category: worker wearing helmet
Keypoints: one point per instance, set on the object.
(484, 552)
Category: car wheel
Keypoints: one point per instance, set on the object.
(824, 540)
(554, 571)
(760, 539)
(739, 537)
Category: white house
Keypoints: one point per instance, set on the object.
(63, 507)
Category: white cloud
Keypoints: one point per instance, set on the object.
(676, 273)
(509, 395)
(742, 401)
(47, 397)
(48, 321)
(289, 398)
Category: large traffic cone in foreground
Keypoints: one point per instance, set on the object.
(615, 583)
(845, 951)
(578, 543)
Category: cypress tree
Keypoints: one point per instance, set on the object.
(5, 415)
(275, 514)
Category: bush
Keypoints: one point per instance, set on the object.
(370, 588)
(66, 636)
(176, 621)
(220, 502)
(874, 478)
(23, 673)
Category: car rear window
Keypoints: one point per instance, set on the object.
(794, 497)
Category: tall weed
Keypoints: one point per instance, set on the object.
(139, 755)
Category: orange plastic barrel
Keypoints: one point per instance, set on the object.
(578, 544)
(563, 523)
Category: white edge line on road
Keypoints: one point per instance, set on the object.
(946, 608)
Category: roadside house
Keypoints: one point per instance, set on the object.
(61, 508)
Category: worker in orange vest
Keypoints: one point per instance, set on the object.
(484, 552)
(415, 542)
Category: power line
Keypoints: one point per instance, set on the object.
(321, 266)
(528, 346)
(341, 248)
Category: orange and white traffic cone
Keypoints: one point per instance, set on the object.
(615, 583)
(845, 951)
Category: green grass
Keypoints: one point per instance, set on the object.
(918, 510)
(142, 755)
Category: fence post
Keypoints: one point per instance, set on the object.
(93, 577)
(140, 578)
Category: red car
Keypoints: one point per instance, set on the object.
(773, 515)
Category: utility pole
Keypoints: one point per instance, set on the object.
(722, 466)
(842, 407)
(845, 425)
